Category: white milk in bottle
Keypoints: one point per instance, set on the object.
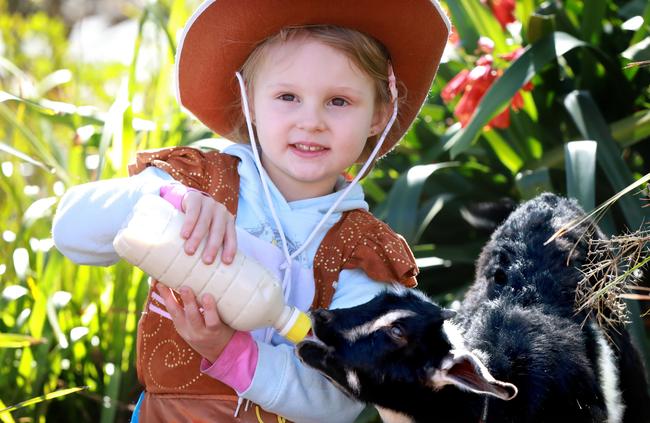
(248, 296)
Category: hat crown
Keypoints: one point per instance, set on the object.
(221, 34)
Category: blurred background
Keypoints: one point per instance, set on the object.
(531, 96)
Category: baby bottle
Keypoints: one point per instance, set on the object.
(247, 295)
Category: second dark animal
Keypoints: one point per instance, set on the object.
(516, 351)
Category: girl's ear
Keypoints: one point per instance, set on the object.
(380, 119)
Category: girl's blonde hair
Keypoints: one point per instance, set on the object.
(368, 54)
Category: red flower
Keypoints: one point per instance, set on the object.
(503, 10)
(456, 85)
(454, 38)
(472, 86)
(486, 45)
(502, 120)
(513, 55)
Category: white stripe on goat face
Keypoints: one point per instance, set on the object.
(353, 381)
(454, 335)
(609, 377)
(382, 321)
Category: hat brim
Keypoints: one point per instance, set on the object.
(222, 33)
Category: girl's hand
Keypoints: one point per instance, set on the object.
(204, 332)
(205, 217)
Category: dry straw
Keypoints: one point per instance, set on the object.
(613, 267)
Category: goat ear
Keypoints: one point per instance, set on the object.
(447, 313)
(465, 371)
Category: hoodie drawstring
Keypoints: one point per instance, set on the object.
(287, 264)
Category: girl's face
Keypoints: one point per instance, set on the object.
(313, 110)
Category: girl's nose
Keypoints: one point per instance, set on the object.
(310, 119)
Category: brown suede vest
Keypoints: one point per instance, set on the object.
(176, 390)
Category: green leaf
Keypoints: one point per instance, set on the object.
(463, 25)
(38, 144)
(113, 131)
(112, 392)
(47, 397)
(429, 210)
(593, 14)
(580, 166)
(592, 125)
(373, 190)
(404, 197)
(523, 10)
(643, 30)
(632, 129)
(22, 156)
(638, 52)
(5, 417)
(539, 27)
(507, 156)
(56, 111)
(52, 318)
(11, 340)
(486, 24)
(517, 74)
(10, 67)
(531, 183)
(157, 14)
(53, 80)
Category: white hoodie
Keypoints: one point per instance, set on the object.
(89, 216)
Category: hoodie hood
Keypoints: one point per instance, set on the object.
(298, 218)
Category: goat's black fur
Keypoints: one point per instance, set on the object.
(518, 318)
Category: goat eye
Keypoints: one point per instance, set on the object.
(396, 332)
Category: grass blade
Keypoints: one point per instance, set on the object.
(22, 156)
(12, 340)
(5, 417)
(46, 397)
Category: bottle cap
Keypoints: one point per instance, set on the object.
(297, 327)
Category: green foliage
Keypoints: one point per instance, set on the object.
(66, 121)
(581, 90)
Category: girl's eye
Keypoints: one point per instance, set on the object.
(339, 102)
(287, 97)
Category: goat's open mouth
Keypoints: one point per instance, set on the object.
(465, 371)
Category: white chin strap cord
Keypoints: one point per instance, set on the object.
(286, 266)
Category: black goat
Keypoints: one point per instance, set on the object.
(516, 337)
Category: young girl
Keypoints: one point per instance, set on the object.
(311, 89)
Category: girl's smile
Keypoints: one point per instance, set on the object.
(313, 111)
(308, 150)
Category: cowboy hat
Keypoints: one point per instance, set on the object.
(221, 34)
